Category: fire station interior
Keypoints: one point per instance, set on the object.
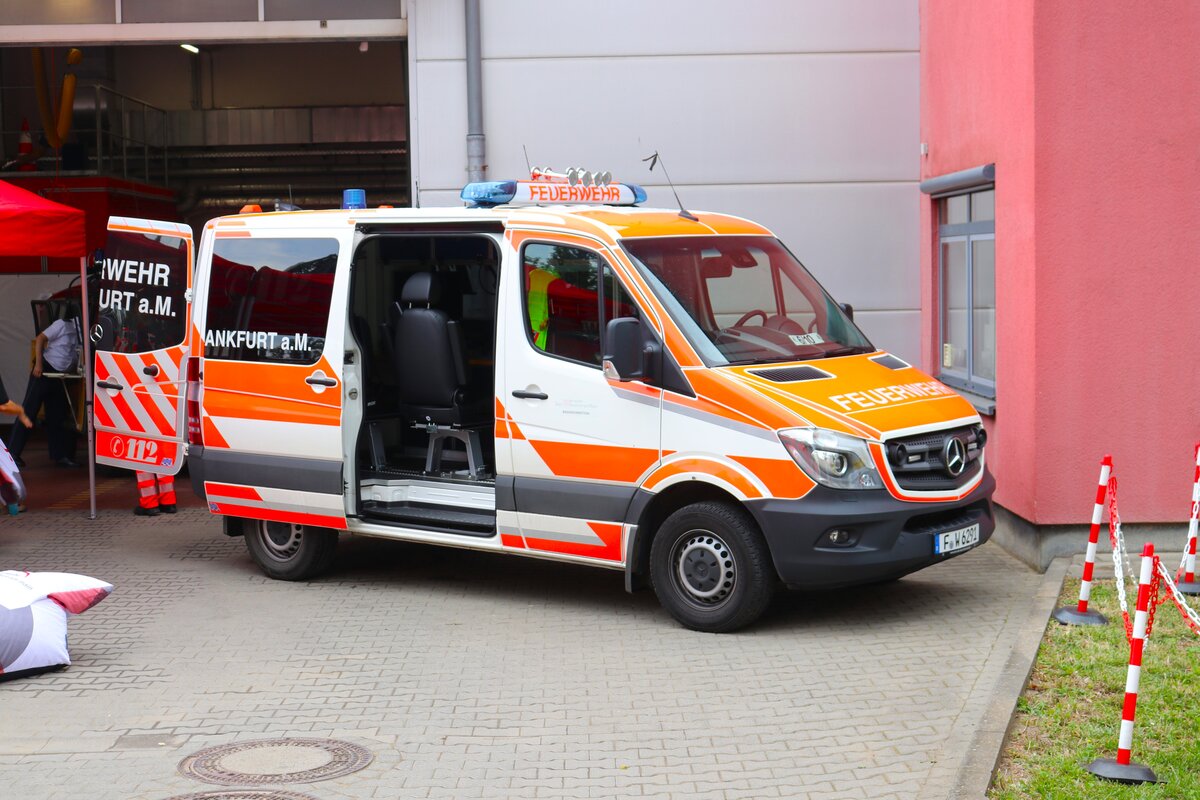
(230, 124)
(423, 318)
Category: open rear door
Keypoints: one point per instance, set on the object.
(140, 333)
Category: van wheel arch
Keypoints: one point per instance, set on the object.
(290, 552)
(656, 510)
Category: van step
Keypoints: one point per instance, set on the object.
(473, 522)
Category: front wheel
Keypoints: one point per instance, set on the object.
(711, 568)
(290, 552)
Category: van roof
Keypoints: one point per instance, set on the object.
(604, 222)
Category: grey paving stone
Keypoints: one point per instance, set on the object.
(473, 675)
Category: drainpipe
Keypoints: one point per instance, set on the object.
(476, 168)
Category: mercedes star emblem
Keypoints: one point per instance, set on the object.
(954, 456)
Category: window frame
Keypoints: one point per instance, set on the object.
(968, 233)
(601, 297)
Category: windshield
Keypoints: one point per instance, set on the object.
(745, 299)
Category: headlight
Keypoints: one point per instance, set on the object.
(831, 458)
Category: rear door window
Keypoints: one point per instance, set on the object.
(268, 299)
(141, 299)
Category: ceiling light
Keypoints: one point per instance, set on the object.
(191, 48)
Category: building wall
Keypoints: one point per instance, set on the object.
(1088, 111)
(1118, 195)
(800, 114)
(977, 88)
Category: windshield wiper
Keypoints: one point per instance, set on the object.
(846, 351)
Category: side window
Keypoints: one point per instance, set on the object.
(268, 299)
(140, 305)
(562, 304)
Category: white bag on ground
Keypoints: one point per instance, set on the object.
(33, 617)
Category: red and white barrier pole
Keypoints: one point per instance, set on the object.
(1122, 769)
(1188, 585)
(1081, 615)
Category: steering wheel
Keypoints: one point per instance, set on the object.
(749, 315)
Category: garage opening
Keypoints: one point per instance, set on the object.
(163, 132)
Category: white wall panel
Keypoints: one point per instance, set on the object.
(897, 332)
(799, 114)
(859, 239)
(542, 28)
(727, 119)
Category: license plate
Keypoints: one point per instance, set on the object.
(953, 541)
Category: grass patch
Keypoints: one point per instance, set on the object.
(1071, 709)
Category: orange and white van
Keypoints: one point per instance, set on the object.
(551, 371)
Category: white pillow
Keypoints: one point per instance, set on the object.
(33, 616)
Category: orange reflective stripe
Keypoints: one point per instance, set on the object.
(610, 550)
(782, 477)
(595, 461)
(703, 466)
(235, 492)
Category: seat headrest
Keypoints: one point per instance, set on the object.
(421, 287)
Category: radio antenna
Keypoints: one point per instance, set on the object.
(528, 168)
(683, 212)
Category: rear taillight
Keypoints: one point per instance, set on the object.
(195, 432)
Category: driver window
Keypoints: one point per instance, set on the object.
(734, 291)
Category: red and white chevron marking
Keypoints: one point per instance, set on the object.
(152, 407)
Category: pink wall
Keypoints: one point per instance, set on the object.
(1090, 113)
(977, 108)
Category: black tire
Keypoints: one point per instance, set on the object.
(711, 568)
(289, 552)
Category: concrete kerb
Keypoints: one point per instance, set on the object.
(978, 767)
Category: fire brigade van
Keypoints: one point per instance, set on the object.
(550, 371)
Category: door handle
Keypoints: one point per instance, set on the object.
(524, 395)
(107, 385)
(151, 370)
(320, 380)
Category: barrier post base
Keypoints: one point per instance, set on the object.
(1070, 615)
(1110, 770)
(1186, 587)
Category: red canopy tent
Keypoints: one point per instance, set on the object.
(31, 225)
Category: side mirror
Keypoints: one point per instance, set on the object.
(623, 349)
(849, 310)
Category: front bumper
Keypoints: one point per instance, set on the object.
(889, 537)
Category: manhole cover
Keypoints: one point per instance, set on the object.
(274, 761)
(244, 794)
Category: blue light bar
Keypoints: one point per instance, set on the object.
(639, 194)
(354, 198)
(489, 193)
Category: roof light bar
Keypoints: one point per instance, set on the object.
(545, 186)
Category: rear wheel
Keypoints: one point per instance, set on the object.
(711, 568)
(290, 552)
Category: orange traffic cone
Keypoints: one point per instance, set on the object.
(25, 149)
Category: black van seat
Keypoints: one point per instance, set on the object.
(431, 366)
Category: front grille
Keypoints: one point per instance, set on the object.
(918, 462)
